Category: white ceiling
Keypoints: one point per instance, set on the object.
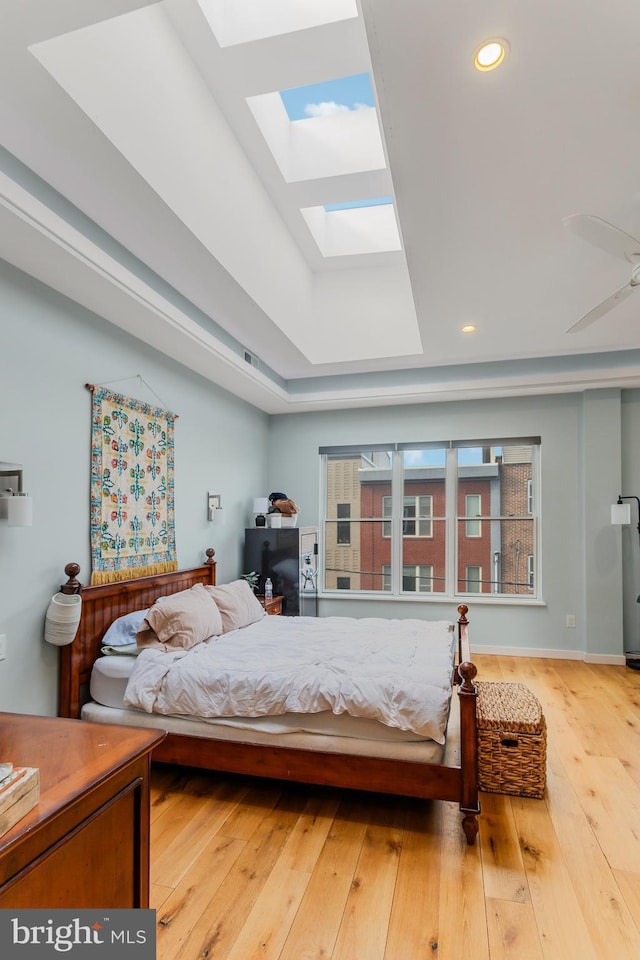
(157, 202)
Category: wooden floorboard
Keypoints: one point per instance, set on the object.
(247, 869)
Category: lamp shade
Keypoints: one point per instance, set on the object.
(260, 504)
(20, 511)
(620, 513)
(218, 518)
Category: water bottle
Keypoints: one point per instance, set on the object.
(268, 589)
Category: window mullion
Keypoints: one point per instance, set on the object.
(397, 514)
(535, 504)
(451, 523)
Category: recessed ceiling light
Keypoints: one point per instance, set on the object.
(491, 54)
(469, 328)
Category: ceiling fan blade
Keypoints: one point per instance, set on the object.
(604, 235)
(602, 308)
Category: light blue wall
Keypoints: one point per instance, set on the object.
(601, 448)
(630, 486)
(49, 348)
(580, 434)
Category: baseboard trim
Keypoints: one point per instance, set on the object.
(618, 660)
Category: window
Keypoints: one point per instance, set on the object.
(386, 512)
(472, 508)
(473, 579)
(418, 579)
(415, 579)
(416, 516)
(343, 529)
(444, 519)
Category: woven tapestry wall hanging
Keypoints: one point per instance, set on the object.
(132, 498)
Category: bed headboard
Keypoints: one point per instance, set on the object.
(101, 605)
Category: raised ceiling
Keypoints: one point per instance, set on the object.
(150, 172)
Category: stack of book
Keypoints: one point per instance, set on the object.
(19, 793)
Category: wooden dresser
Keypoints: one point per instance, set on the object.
(86, 844)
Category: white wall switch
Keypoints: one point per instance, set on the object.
(571, 619)
(3, 646)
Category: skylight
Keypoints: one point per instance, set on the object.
(330, 97)
(353, 204)
(242, 21)
(357, 228)
(333, 143)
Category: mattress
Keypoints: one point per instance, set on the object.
(110, 675)
(424, 751)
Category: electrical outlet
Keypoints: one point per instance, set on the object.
(3, 646)
(571, 619)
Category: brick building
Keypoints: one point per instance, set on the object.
(517, 549)
(495, 547)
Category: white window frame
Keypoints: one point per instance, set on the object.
(450, 527)
(468, 579)
(423, 521)
(474, 514)
(421, 574)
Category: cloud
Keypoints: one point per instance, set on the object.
(330, 107)
(325, 109)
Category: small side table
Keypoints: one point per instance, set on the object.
(272, 606)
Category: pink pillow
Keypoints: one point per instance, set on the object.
(237, 603)
(181, 620)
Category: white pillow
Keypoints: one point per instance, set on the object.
(124, 650)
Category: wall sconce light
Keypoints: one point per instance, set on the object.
(260, 507)
(15, 506)
(214, 509)
(621, 512)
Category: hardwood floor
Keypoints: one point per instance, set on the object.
(245, 869)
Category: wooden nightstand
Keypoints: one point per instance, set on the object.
(273, 606)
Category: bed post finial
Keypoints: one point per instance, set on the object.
(72, 585)
(467, 671)
(210, 552)
(463, 610)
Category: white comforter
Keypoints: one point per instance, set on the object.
(394, 671)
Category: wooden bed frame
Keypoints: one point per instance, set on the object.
(103, 603)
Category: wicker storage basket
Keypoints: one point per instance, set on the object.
(512, 740)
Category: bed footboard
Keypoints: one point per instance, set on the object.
(464, 676)
(469, 804)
